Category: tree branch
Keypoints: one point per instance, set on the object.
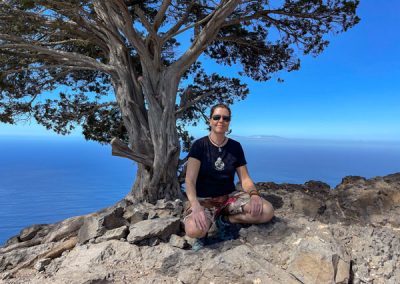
(179, 112)
(120, 149)
(160, 14)
(206, 36)
(169, 34)
(70, 58)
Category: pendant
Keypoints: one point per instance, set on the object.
(219, 164)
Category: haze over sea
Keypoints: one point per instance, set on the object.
(45, 180)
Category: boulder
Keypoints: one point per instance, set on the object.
(30, 232)
(96, 225)
(306, 205)
(115, 234)
(64, 229)
(317, 261)
(161, 228)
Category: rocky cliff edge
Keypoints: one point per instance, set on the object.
(349, 234)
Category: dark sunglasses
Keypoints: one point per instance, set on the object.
(224, 117)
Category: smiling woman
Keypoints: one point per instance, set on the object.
(212, 163)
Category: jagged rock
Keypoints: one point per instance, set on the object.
(315, 261)
(42, 263)
(177, 241)
(242, 264)
(161, 228)
(350, 181)
(97, 225)
(275, 200)
(134, 215)
(29, 232)
(152, 215)
(64, 229)
(306, 205)
(11, 259)
(317, 186)
(116, 234)
(352, 236)
(11, 241)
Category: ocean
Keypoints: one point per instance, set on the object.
(45, 180)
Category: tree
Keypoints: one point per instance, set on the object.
(61, 60)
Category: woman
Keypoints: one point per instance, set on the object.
(212, 163)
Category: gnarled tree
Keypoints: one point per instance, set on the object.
(118, 69)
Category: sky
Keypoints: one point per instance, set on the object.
(349, 92)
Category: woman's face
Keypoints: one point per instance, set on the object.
(221, 125)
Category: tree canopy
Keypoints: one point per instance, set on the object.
(55, 57)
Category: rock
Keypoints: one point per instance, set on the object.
(41, 264)
(116, 234)
(275, 200)
(349, 234)
(11, 241)
(306, 205)
(152, 215)
(342, 274)
(178, 242)
(134, 215)
(316, 261)
(242, 264)
(29, 232)
(349, 181)
(67, 228)
(317, 186)
(97, 225)
(161, 228)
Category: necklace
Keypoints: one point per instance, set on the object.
(219, 164)
(216, 144)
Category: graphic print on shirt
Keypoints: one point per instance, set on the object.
(219, 164)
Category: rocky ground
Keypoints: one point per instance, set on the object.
(349, 234)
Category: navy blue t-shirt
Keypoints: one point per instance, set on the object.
(217, 169)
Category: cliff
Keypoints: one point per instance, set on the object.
(349, 234)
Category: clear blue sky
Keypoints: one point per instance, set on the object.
(350, 91)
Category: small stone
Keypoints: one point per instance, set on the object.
(178, 242)
(42, 263)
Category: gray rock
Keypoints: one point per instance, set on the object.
(178, 242)
(161, 228)
(67, 228)
(134, 215)
(97, 225)
(12, 240)
(30, 232)
(41, 264)
(116, 234)
(306, 205)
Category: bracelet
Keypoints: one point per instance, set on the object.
(254, 192)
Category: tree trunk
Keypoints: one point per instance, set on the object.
(154, 145)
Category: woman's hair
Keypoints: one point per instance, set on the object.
(221, 105)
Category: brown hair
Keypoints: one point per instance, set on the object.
(221, 105)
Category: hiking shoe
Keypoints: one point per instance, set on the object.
(199, 244)
(224, 229)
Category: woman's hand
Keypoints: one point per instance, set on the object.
(199, 217)
(256, 205)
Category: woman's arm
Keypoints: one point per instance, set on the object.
(192, 171)
(198, 215)
(256, 203)
(245, 180)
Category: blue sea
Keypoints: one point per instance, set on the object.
(45, 180)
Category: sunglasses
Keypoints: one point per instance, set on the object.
(218, 117)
